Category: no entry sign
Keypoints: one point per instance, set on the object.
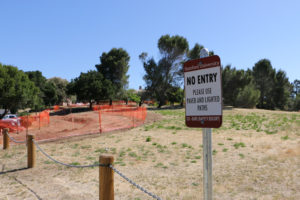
(203, 92)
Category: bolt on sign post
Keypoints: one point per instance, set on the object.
(203, 97)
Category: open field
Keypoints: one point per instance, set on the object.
(256, 156)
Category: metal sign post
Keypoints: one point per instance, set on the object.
(207, 152)
(203, 93)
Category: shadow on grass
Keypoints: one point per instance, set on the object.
(166, 108)
(13, 170)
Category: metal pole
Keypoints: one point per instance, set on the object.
(207, 152)
(207, 164)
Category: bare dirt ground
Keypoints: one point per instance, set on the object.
(76, 124)
(256, 156)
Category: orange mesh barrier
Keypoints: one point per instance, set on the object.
(32, 121)
(79, 121)
(131, 115)
(56, 107)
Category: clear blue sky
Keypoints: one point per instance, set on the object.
(65, 37)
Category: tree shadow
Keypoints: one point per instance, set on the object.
(13, 170)
(166, 108)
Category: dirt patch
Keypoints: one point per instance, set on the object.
(84, 123)
(165, 157)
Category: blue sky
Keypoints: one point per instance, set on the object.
(65, 37)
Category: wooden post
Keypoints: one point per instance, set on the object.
(39, 120)
(99, 114)
(30, 151)
(106, 177)
(5, 139)
(27, 124)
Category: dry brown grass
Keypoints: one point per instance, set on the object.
(166, 158)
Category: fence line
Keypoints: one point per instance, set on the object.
(31, 163)
(68, 165)
(135, 184)
(13, 139)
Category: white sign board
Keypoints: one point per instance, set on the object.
(203, 92)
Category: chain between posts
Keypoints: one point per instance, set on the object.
(68, 165)
(13, 139)
(100, 165)
(135, 184)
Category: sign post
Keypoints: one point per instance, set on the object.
(203, 93)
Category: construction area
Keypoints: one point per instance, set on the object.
(63, 122)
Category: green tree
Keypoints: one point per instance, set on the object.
(282, 90)
(161, 76)
(40, 82)
(132, 95)
(264, 77)
(114, 66)
(247, 97)
(50, 94)
(194, 53)
(90, 86)
(16, 90)
(49, 90)
(296, 87)
(233, 82)
(61, 88)
(175, 94)
(297, 103)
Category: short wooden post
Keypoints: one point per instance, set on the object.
(27, 124)
(5, 139)
(30, 151)
(100, 127)
(106, 174)
(39, 121)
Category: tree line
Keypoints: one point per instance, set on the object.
(262, 86)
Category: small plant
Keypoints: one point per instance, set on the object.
(101, 150)
(154, 143)
(148, 139)
(77, 153)
(90, 158)
(159, 165)
(48, 162)
(225, 150)
(173, 143)
(184, 145)
(75, 163)
(214, 152)
(132, 154)
(197, 157)
(270, 132)
(122, 153)
(220, 144)
(75, 146)
(241, 155)
(193, 161)
(229, 139)
(285, 137)
(86, 147)
(195, 184)
(237, 145)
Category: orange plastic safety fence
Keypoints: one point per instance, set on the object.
(56, 107)
(132, 116)
(32, 121)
